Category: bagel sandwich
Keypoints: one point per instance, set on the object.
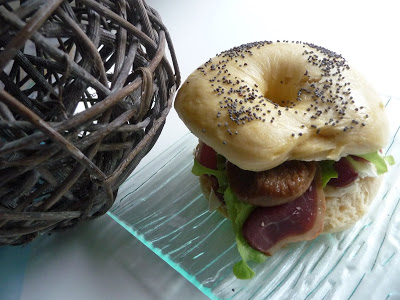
(289, 143)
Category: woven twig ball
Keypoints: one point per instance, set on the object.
(85, 89)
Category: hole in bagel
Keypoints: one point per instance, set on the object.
(286, 82)
(282, 91)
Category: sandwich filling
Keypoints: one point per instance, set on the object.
(270, 209)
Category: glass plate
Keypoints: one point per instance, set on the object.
(163, 207)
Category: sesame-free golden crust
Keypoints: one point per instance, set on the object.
(263, 103)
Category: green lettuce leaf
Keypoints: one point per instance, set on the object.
(389, 159)
(199, 170)
(242, 270)
(327, 171)
(380, 162)
(238, 213)
(363, 169)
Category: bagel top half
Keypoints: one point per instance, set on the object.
(263, 103)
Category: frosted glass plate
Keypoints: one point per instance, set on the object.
(162, 206)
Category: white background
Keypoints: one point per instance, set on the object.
(99, 260)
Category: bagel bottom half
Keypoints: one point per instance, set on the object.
(345, 210)
(342, 210)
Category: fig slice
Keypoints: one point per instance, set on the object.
(276, 186)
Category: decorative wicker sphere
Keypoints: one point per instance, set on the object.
(85, 88)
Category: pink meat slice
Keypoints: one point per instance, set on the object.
(268, 229)
(346, 173)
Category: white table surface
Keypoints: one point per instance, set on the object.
(99, 259)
